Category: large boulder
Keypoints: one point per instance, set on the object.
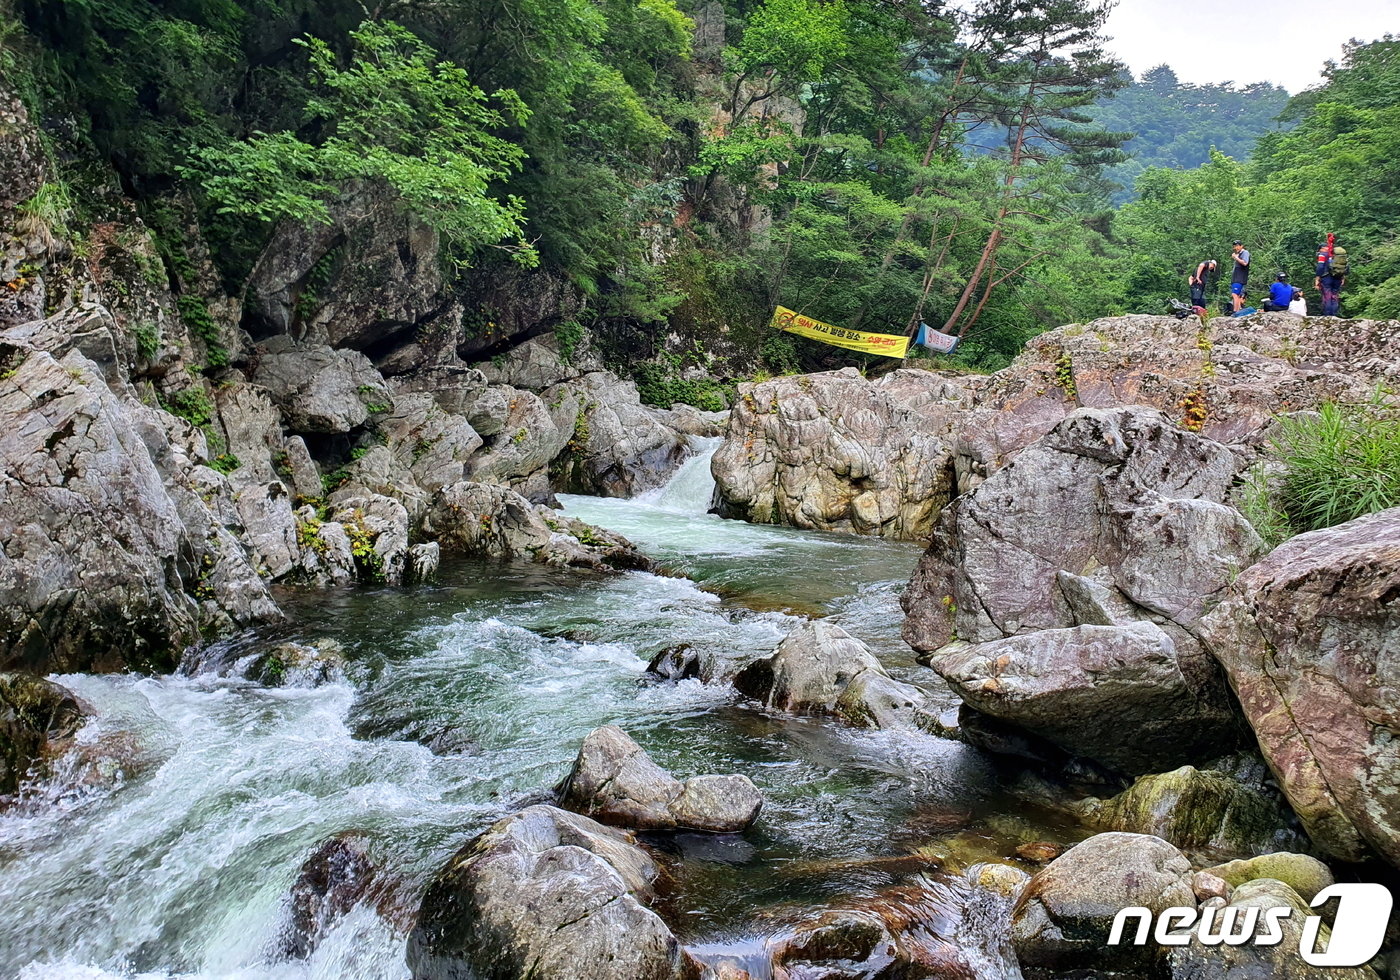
(819, 668)
(1084, 687)
(957, 930)
(36, 716)
(613, 780)
(115, 540)
(835, 452)
(1310, 639)
(1064, 916)
(547, 895)
(1064, 589)
(320, 389)
(496, 522)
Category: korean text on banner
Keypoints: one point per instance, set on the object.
(886, 345)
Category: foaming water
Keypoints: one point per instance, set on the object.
(171, 855)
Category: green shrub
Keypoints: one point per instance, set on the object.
(1337, 464)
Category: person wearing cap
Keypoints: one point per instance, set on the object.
(1202, 281)
(1280, 295)
(1240, 275)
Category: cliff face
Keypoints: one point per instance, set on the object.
(171, 450)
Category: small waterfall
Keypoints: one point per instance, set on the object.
(692, 487)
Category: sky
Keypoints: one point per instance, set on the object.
(1279, 41)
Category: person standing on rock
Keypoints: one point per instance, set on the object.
(1202, 282)
(1240, 275)
(1331, 275)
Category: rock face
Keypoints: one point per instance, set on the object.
(1200, 811)
(1072, 579)
(113, 551)
(834, 452)
(821, 669)
(35, 715)
(1310, 639)
(1064, 916)
(614, 781)
(548, 895)
(1280, 961)
(319, 389)
(369, 275)
(620, 447)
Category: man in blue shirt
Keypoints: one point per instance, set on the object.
(1280, 295)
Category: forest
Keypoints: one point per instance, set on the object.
(990, 170)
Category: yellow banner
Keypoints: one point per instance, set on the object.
(886, 345)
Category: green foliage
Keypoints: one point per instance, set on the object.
(394, 113)
(660, 383)
(147, 336)
(1338, 464)
(569, 334)
(225, 463)
(368, 561)
(1176, 125)
(192, 405)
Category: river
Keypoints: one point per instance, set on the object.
(176, 861)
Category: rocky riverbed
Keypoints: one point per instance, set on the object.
(340, 641)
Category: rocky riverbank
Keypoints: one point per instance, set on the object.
(1206, 715)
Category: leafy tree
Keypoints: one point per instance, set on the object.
(394, 113)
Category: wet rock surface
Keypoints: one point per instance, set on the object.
(1063, 917)
(549, 895)
(614, 781)
(36, 716)
(821, 669)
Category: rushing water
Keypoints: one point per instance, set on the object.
(172, 853)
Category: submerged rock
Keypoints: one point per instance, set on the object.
(35, 715)
(333, 880)
(1063, 917)
(1198, 810)
(613, 780)
(547, 895)
(1310, 639)
(821, 669)
(299, 664)
(677, 663)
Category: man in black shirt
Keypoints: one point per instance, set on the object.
(1202, 281)
(1241, 274)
